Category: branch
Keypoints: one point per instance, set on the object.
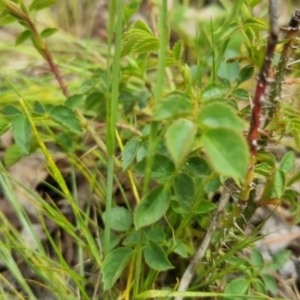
(37, 41)
(259, 99)
(275, 95)
(189, 272)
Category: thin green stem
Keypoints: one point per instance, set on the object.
(213, 51)
(110, 173)
(112, 115)
(163, 44)
(138, 264)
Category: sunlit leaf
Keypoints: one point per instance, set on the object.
(25, 35)
(41, 4)
(287, 163)
(21, 132)
(48, 32)
(219, 115)
(213, 90)
(227, 151)
(180, 138)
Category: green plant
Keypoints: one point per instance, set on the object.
(174, 134)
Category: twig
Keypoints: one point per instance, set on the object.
(258, 101)
(189, 272)
(38, 42)
(275, 95)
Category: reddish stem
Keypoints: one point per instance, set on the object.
(48, 56)
(259, 98)
(55, 71)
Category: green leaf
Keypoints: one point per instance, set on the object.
(240, 94)
(139, 24)
(39, 108)
(180, 138)
(227, 31)
(257, 259)
(256, 24)
(162, 167)
(184, 191)
(156, 257)
(26, 34)
(287, 163)
(230, 71)
(4, 126)
(6, 17)
(156, 234)
(114, 239)
(241, 264)
(266, 157)
(239, 286)
(11, 110)
(204, 207)
(65, 141)
(130, 9)
(152, 207)
(114, 264)
(133, 239)
(198, 166)
(139, 40)
(146, 45)
(213, 90)
(227, 152)
(95, 100)
(129, 152)
(142, 153)
(178, 50)
(219, 115)
(66, 117)
(74, 101)
(245, 74)
(270, 283)
(253, 3)
(48, 32)
(41, 4)
(12, 154)
(21, 132)
(179, 248)
(174, 104)
(224, 81)
(120, 218)
(278, 184)
(258, 286)
(212, 185)
(88, 85)
(279, 259)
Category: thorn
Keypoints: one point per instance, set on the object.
(252, 185)
(254, 143)
(262, 99)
